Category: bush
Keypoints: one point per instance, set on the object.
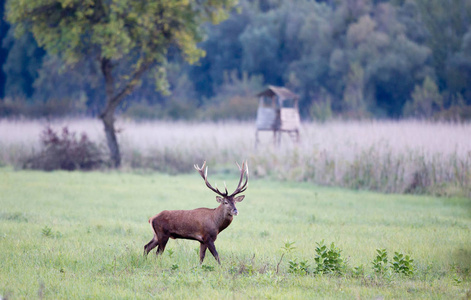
(65, 152)
(328, 260)
(301, 268)
(403, 264)
(380, 263)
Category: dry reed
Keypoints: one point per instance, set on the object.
(387, 156)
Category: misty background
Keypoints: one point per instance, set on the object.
(348, 59)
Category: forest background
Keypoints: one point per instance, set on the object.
(349, 59)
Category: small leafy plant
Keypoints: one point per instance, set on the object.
(207, 268)
(358, 272)
(328, 259)
(403, 264)
(287, 248)
(380, 262)
(47, 231)
(301, 268)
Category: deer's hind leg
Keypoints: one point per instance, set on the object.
(151, 245)
(162, 243)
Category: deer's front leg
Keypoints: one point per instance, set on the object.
(213, 251)
(203, 248)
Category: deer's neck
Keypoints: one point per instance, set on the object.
(222, 218)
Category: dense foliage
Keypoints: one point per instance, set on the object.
(362, 58)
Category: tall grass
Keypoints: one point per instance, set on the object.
(386, 156)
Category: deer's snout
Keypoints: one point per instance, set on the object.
(234, 212)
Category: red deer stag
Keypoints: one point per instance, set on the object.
(201, 224)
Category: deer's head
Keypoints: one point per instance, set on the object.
(228, 201)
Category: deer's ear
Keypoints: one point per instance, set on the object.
(239, 199)
(219, 199)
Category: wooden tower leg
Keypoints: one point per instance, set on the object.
(256, 139)
(276, 138)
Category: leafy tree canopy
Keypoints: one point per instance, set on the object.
(140, 32)
(127, 38)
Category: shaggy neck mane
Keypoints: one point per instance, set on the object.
(222, 219)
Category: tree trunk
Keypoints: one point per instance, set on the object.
(108, 114)
(113, 99)
(111, 140)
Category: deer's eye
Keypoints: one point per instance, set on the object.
(226, 202)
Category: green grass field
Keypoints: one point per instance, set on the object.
(81, 235)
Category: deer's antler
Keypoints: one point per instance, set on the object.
(244, 172)
(204, 173)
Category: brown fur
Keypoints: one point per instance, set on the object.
(201, 224)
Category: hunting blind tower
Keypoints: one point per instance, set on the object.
(278, 112)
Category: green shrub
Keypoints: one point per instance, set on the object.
(403, 264)
(207, 268)
(47, 231)
(287, 248)
(328, 259)
(380, 263)
(301, 268)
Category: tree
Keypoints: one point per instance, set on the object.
(392, 63)
(235, 98)
(22, 62)
(126, 37)
(447, 22)
(353, 98)
(459, 70)
(308, 73)
(426, 100)
(3, 52)
(224, 51)
(77, 85)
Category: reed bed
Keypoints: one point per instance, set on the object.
(387, 156)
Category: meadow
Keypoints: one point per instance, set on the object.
(66, 235)
(387, 156)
